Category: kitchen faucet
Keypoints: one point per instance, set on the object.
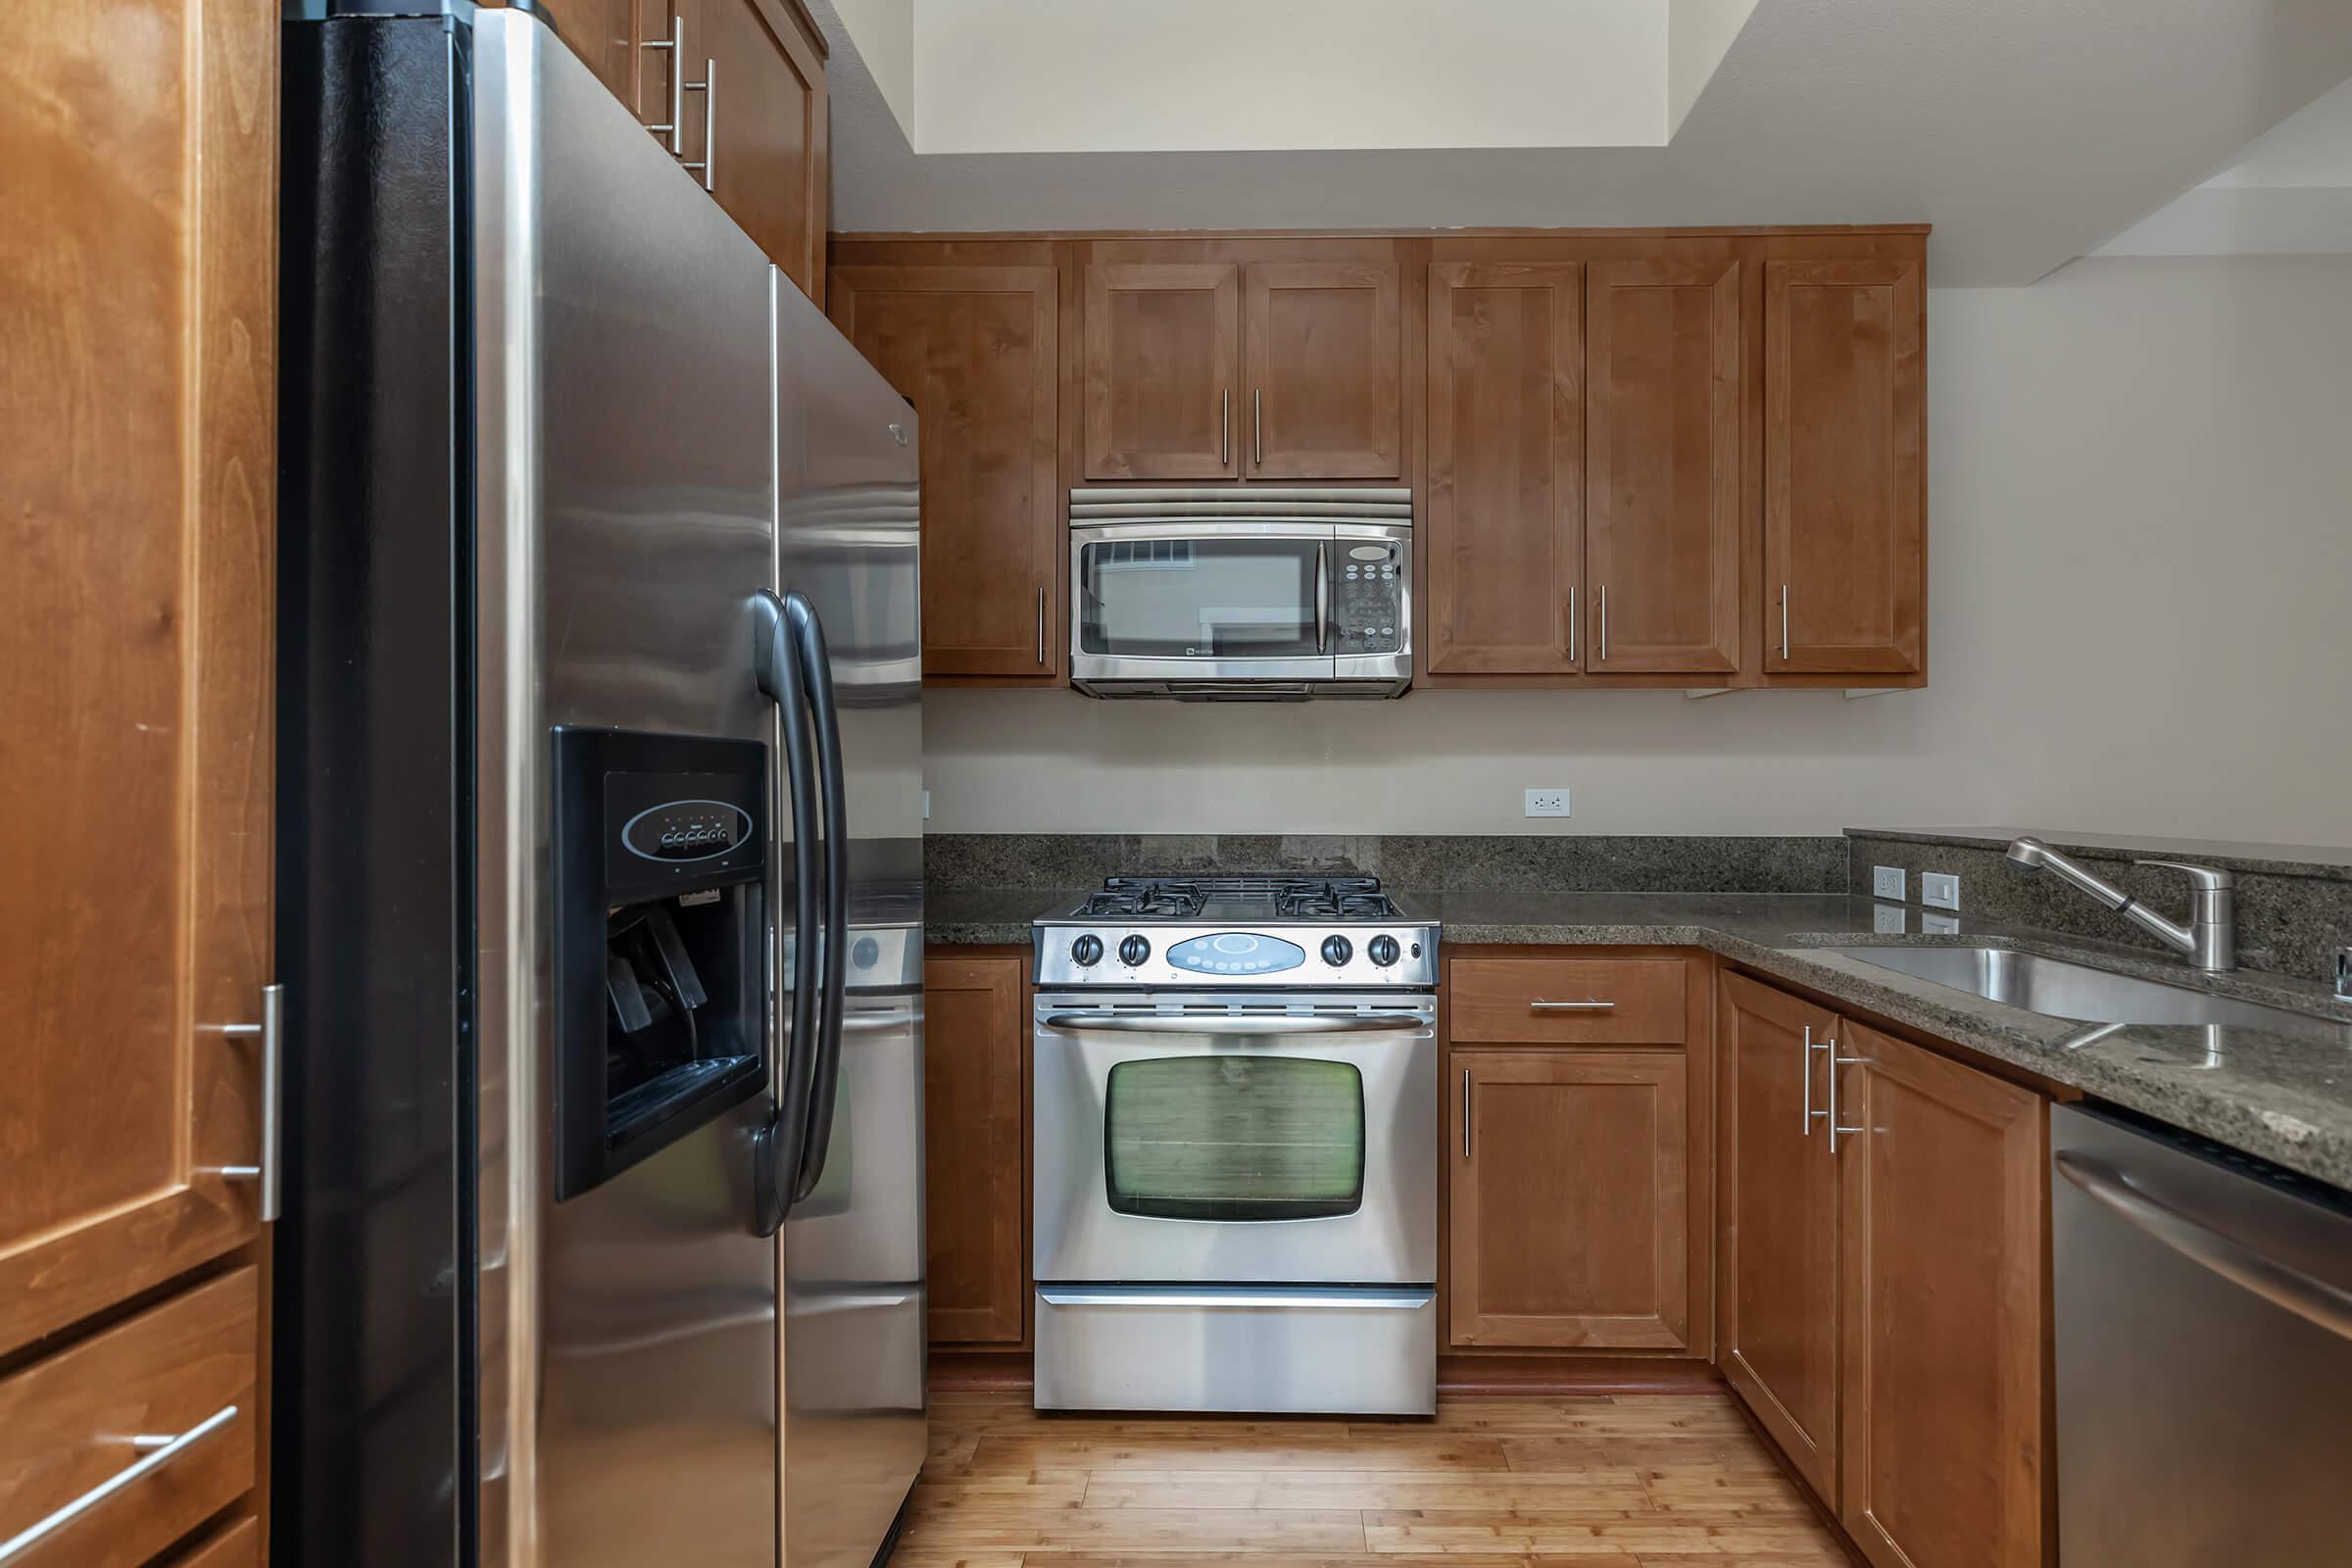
(2210, 938)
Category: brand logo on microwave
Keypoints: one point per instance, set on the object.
(686, 830)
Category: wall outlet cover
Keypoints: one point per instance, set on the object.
(1939, 891)
(1887, 882)
(1547, 802)
(1888, 919)
(1938, 925)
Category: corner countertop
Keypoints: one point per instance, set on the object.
(2281, 1097)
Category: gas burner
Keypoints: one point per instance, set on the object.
(1339, 897)
(1144, 899)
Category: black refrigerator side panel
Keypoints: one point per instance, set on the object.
(374, 1449)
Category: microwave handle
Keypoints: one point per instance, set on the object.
(1322, 598)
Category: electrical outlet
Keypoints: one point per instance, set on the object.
(1939, 891)
(1887, 919)
(1547, 802)
(1887, 882)
(1937, 925)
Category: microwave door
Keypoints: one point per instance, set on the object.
(1214, 602)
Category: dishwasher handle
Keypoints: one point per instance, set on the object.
(2281, 1284)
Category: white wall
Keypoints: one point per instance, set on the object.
(1698, 34)
(2140, 621)
(1190, 75)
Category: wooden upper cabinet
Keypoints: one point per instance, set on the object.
(1162, 359)
(1778, 1321)
(1662, 448)
(136, 625)
(1504, 534)
(1845, 469)
(604, 34)
(1322, 356)
(1571, 1200)
(758, 125)
(1946, 1204)
(975, 1124)
(972, 348)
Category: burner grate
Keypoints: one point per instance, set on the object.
(1292, 897)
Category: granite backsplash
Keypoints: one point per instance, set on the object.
(2291, 913)
(1421, 863)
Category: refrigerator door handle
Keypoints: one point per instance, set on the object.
(817, 680)
(776, 665)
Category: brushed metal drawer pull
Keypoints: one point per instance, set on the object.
(271, 1033)
(161, 1451)
(676, 43)
(1589, 1005)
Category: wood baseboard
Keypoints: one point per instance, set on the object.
(1566, 1375)
(970, 1369)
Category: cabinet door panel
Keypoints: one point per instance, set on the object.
(976, 1200)
(1662, 466)
(973, 349)
(1571, 1205)
(1321, 361)
(1162, 359)
(136, 625)
(1779, 1246)
(1845, 501)
(1504, 533)
(1945, 1196)
(759, 125)
(601, 32)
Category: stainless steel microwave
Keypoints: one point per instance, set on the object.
(1239, 593)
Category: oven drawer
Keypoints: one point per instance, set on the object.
(1567, 1001)
(182, 1371)
(1331, 1350)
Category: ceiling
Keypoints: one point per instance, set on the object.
(2289, 194)
(2028, 131)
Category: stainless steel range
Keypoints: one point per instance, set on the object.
(1236, 1166)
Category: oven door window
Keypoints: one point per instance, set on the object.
(1198, 598)
(1234, 1138)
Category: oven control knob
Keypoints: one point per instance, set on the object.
(1134, 950)
(1336, 951)
(1382, 950)
(1087, 951)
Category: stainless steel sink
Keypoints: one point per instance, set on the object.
(2065, 990)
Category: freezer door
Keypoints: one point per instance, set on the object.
(625, 514)
(854, 1304)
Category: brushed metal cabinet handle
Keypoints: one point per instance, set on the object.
(1811, 1045)
(1836, 1061)
(1225, 426)
(271, 1170)
(676, 43)
(1572, 626)
(1465, 1113)
(1258, 426)
(1041, 625)
(160, 1451)
(1604, 622)
(1589, 1005)
(709, 87)
(1784, 624)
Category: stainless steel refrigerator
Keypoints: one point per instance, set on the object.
(599, 846)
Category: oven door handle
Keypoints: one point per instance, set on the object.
(1160, 1296)
(1322, 599)
(1223, 1024)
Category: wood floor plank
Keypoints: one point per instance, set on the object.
(1208, 1450)
(996, 1525)
(1730, 1451)
(1569, 1534)
(1483, 1490)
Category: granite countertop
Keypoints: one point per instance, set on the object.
(2281, 1095)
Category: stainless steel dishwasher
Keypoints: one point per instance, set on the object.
(2204, 1353)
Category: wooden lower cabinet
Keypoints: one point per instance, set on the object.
(975, 1136)
(1776, 1325)
(1944, 1292)
(1886, 1306)
(1571, 1212)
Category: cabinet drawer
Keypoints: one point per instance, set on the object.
(67, 1424)
(1611, 1002)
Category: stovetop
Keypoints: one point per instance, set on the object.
(1225, 900)
(1295, 932)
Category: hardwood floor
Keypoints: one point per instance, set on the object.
(1637, 1481)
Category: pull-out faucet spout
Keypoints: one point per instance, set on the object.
(2210, 938)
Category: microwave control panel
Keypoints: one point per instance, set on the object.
(1367, 597)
